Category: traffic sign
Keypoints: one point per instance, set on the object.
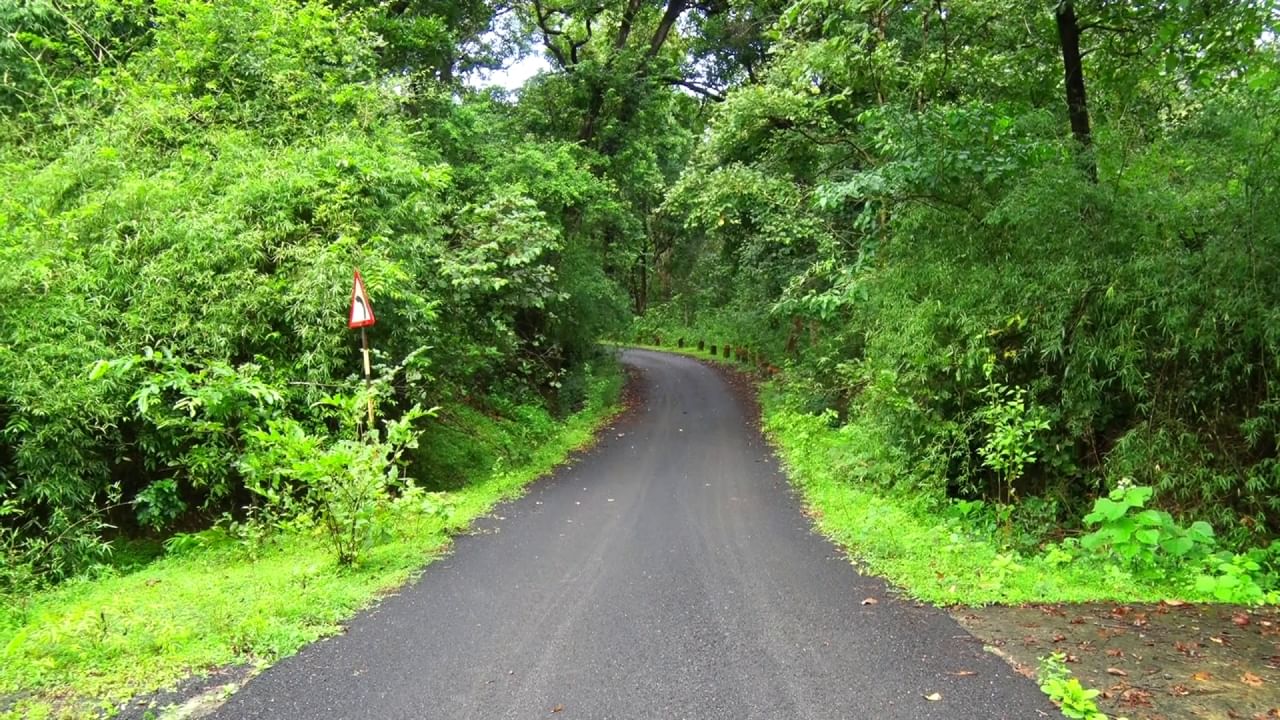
(361, 314)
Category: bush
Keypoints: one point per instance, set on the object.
(342, 485)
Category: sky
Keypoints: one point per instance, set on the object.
(513, 76)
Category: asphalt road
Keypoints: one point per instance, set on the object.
(668, 573)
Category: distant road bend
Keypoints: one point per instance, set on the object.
(667, 573)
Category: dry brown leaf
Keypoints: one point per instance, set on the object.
(1251, 680)
(1136, 697)
(870, 601)
(1115, 652)
(1240, 619)
(1179, 691)
(558, 708)
(1202, 676)
(1117, 671)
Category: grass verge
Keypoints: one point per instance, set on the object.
(919, 546)
(84, 647)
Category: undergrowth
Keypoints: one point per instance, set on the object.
(242, 593)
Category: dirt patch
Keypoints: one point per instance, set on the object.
(196, 697)
(1151, 662)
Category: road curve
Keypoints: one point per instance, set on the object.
(667, 573)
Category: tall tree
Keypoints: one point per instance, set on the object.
(1073, 69)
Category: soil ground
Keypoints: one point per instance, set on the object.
(1152, 662)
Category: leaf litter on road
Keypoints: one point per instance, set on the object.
(1151, 661)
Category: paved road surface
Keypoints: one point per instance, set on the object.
(668, 573)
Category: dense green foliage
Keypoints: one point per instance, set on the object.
(993, 302)
(188, 186)
(235, 594)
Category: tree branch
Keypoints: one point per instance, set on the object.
(624, 27)
(698, 88)
(543, 17)
(675, 8)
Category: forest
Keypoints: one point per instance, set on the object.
(1014, 263)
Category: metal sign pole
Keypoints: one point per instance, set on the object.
(368, 377)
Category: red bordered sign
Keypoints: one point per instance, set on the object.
(361, 314)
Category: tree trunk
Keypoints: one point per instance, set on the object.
(1077, 105)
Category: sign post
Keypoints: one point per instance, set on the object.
(361, 316)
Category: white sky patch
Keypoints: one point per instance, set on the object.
(514, 76)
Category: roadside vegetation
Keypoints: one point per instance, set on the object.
(1027, 327)
(243, 592)
(189, 475)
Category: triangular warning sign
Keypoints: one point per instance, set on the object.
(361, 314)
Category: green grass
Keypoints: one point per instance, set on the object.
(89, 644)
(926, 551)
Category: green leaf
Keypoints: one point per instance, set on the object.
(1106, 510)
(1201, 530)
(1147, 536)
(1178, 546)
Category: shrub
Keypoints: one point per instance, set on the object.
(342, 485)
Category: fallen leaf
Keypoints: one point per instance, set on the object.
(558, 708)
(1174, 603)
(933, 697)
(1115, 652)
(1059, 638)
(1117, 671)
(1202, 676)
(1218, 640)
(1179, 691)
(1136, 696)
(1251, 680)
(870, 601)
(1240, 619)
